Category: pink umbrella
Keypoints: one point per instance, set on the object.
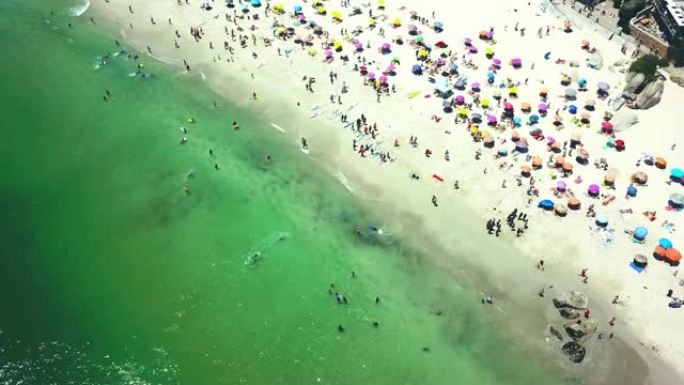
(475, 86)
(543, 107)
(496, 62)
(371, 75)
(391, 70)
(383, 79)
(472, 49)
(550, 140)
(561, 186)
(386, 47)
(516, 62)
(328, 53)
(508, 106)
(468, 41)
(491, 119)
(594, 190)
(358, 46)
(607, 126)
(460, 99)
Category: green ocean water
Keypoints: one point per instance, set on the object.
(112, 274)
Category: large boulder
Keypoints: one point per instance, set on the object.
(634, 82)
(651, 95)
(581, 330)
(569, 313)
(624, 119)
(574, 351)
(572, 299)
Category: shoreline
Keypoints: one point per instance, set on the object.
(365, 181)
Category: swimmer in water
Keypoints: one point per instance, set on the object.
(236, 125)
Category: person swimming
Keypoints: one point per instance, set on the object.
(236, 125)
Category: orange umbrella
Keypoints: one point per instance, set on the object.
(672, 256)
(590, 102)
(559, 161)
(585, 116)
(661, 163)
(567, 167)
(558, 118)
(609, 180)
(659, 251)
(536, 162)
(574, 204)
(515, 134)
(526, 106)
(525, 170)
(585, 43)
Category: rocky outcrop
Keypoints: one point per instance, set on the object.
(581, 329)
(634, 83)
(645, 93)
(650, 95)
(574, 351)
(624, 119)
(569, 313)
(571, 299)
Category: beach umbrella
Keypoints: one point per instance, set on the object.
(665, 243)
(572, 109)
(640, 233)
(496, 62)
(602, 220)
(525, 106)
(660, 163)
(460, 84)
(298, 8)
(561, 186)
(336, 15)
(590, 105)
(632, 191)
(475, 87)
(543, 107)
(472, 49)
(508, 106)
(534, 119)
(441, 44)
(383, 79)
(567, 167)
(607, 127)
(640, 178)
(546, 204)
(328, 53)
(525, 170)
(594, 190)
(517, 121)
(491, 119)
(460, 99)
(358, 46)
(396, 22)
(468, 41)
(570, 92)
(489, 142)
(574, 204)
(536, 162)
(672, 256)
(582, 82)
(439, 26)
(516, 62)
(603, 86)
(561, 210)
(484, 103)
(386, 47)
(256, 3)
(363, 70)
(503, 152)
(677, 174)
(640, 261)
(521, 146)
(371, 75)
(676, 200)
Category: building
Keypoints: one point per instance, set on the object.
(670, 16)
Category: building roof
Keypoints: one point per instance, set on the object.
(676, 9)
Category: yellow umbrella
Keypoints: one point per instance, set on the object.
(513, 90)
(313, 52)
(381, 3)
(396, 22)
(544, 90)
(423, 53)
(463, 111)
(474, 130)
(485, 103)
(372, 21)
(489, 51)
(337, 45)
(321, 10)
(485, 134)
(280, 7)
(280, 30)
(336, 15)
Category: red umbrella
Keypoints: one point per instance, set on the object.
(619, 144)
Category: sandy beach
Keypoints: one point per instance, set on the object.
(374, 118)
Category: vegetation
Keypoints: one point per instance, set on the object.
(628, 10)
(648, 65)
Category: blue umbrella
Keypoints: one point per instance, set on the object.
(534, 118)
(256, 3)
(640, 233)
(417, 69)
(298, 8)
(582, 82)
(677, 174)
(665, 243)
(572, 109)
(631, 191)
(517, 121)
(439, 26)
(546, 204)
(602, 220)
(547, 55)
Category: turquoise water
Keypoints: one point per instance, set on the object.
(113, 273)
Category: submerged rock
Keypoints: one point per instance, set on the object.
(557, 333)
(579, 330)
(574, 351)
(569, 313)
(572, 299)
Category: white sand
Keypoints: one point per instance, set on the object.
(566, 244)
